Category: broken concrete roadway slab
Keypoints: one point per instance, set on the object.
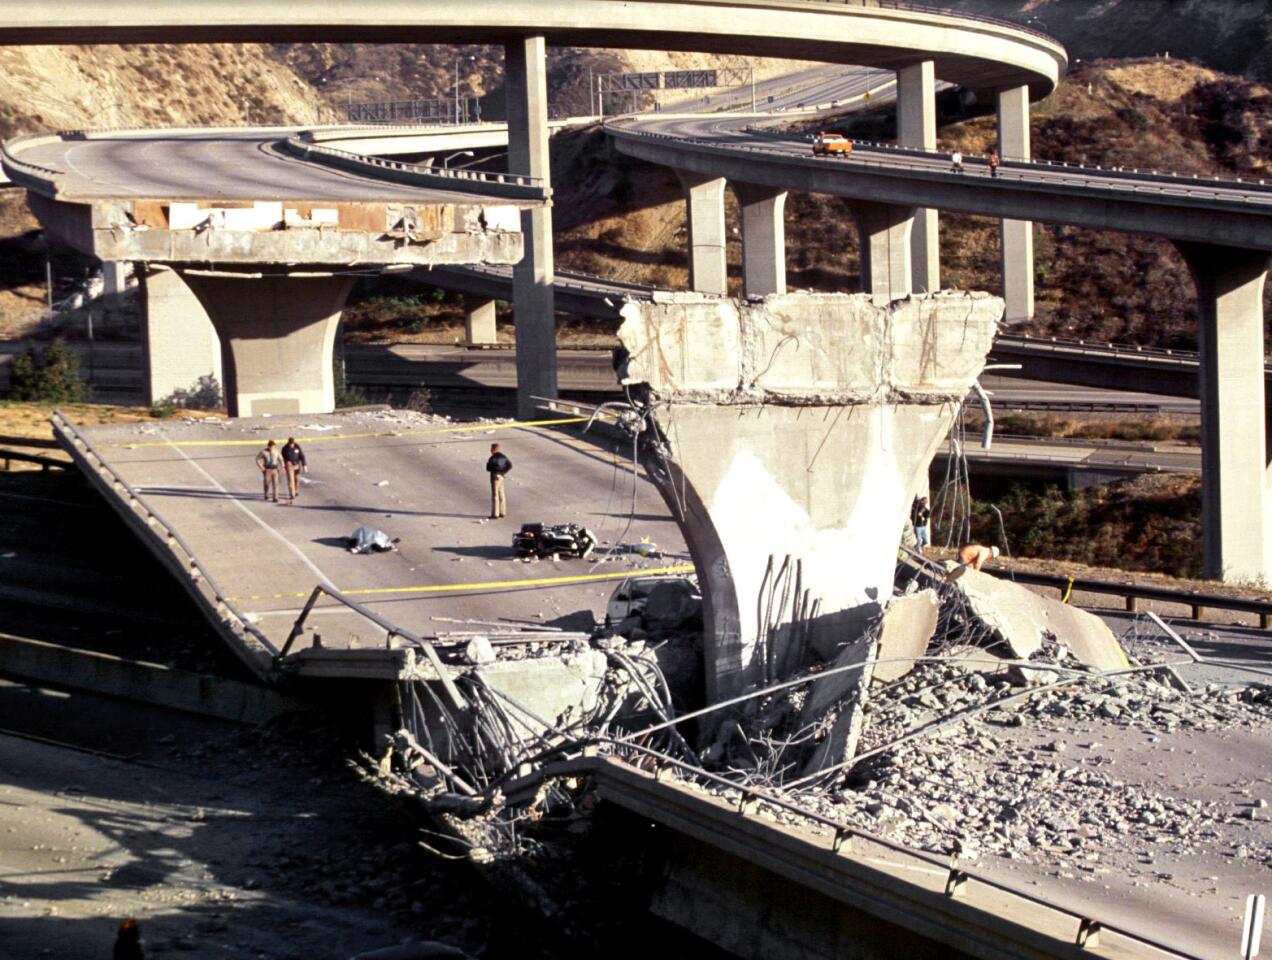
(551, 688)
(846, 692)
(267, 557)
(1023, 619)
(905, 631)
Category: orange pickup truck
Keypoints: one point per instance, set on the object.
(825, 144)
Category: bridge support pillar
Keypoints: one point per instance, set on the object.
(534, 305)
(763, 239)
(1017, 235)
(704, 201)
(916, 127)
(883, 232)
(832, 434)
(114, 278)
(479, 322)
(277, 338)
(1236, 491)
(179, 343)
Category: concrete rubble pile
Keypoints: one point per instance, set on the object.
(1044, 790)
(976, 720)
(525, 693)
(959, 606)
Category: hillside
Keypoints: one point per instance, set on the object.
(50, 88)
(385, 71)
(1234, 36)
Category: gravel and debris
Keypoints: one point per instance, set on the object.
(1039, 779)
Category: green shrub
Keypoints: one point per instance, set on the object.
(51, 378)
(420, 400)
(204, 394)
(346, 396)
(1152, 524)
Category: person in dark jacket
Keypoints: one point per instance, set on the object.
(920, 516)
(128, 942)
(294, 463)
(497, 466)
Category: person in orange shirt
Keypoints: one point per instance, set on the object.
(975, 556)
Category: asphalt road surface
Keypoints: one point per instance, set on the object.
(426, 484)
(238, 165)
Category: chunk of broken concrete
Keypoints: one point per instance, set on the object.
(904, 634)
(479, 651)
(1022, 619)
(847, 690)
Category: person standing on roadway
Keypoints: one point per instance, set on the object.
(993, 163)
(920, 514)
(497, 466)
(268, 461)
(294, 463)
(956, 162)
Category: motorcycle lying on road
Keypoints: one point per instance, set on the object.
(541, 541)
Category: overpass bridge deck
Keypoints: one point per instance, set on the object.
(418, 478)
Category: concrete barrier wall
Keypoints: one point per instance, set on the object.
(153, 683)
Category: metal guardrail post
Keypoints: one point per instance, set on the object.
(452, 692)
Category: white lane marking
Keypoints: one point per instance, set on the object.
(292, 612)
(265, 526)
(177, 486)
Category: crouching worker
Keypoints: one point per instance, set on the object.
(975, 556)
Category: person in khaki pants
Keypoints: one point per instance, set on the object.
(497, 466)
(268, 462)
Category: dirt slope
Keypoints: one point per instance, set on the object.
(50, 88)
(1230, 35)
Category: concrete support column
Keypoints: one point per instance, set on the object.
(832, 435)
(1017, 235)
(916, 127)
(114, 278)
(704, 203)
(179, 343)
(763, 239)
(277, 338)
(534, 311)
(883, 232)
(1235, 496)
(479, 321)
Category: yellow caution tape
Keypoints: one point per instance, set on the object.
(493, 585)
(1068, 591)
(258, 442)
